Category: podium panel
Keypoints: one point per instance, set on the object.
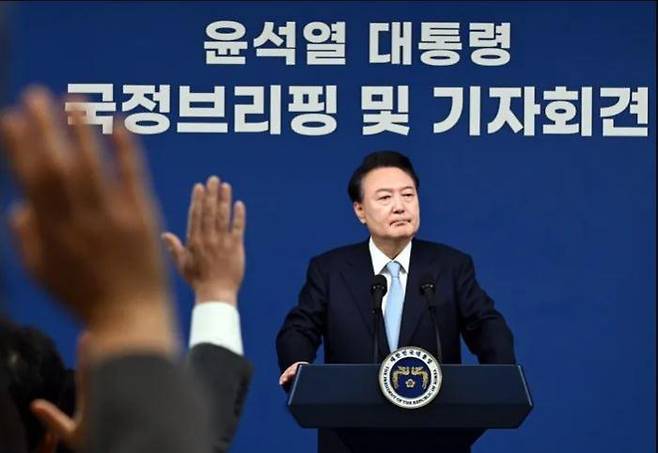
(472, 397)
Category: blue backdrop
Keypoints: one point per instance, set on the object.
(561, 227)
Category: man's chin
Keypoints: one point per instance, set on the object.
(402, 232)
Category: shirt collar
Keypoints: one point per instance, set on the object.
(380, 260)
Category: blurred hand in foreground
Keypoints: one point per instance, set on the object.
(87, 230)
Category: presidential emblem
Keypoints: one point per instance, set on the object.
(410, 377)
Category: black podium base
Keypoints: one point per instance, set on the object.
(359, 440)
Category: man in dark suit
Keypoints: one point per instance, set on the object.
(335, 305)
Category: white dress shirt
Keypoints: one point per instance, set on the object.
(217, 323)
(379, 262)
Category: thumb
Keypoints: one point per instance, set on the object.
(55, 420)
(175, 248)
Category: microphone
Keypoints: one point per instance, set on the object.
(377, 290)
(428, 289)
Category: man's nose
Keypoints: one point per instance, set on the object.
(398, 204)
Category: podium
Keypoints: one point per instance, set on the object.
(345, 401)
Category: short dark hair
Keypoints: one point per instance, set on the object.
(35, 370)
(378, 159)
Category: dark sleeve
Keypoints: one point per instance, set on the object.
(145, 404)
(484, 329)
(224, 377)
(302, 330)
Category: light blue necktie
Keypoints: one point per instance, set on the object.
(393, 314)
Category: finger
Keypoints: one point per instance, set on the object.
(290, 372)
(210, 206)
(13, 131)
(88, 157)
(194, 214)
(21, 155)
(130, 167)
(175, 248)
(35, 149)
(85, 351)
(224, 211)
(45, 129)
(53, 183)
(23, 225)
(284, 378)
(239, 219)
(54, 419)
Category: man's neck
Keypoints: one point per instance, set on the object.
(391, 247)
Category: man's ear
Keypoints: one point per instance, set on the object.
(358, 211)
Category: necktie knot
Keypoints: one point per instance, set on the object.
(394, 268)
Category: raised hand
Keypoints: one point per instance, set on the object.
(212, 261)
(86, 230)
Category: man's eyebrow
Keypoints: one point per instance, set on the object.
(389, 190)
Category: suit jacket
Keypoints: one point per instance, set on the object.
(335, 307)
(144, 403)
(224, 377)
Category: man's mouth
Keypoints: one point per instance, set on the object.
(399, 222)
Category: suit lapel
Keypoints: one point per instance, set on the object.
(415, 305)
(358, 275)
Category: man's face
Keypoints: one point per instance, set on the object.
(389, 207)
